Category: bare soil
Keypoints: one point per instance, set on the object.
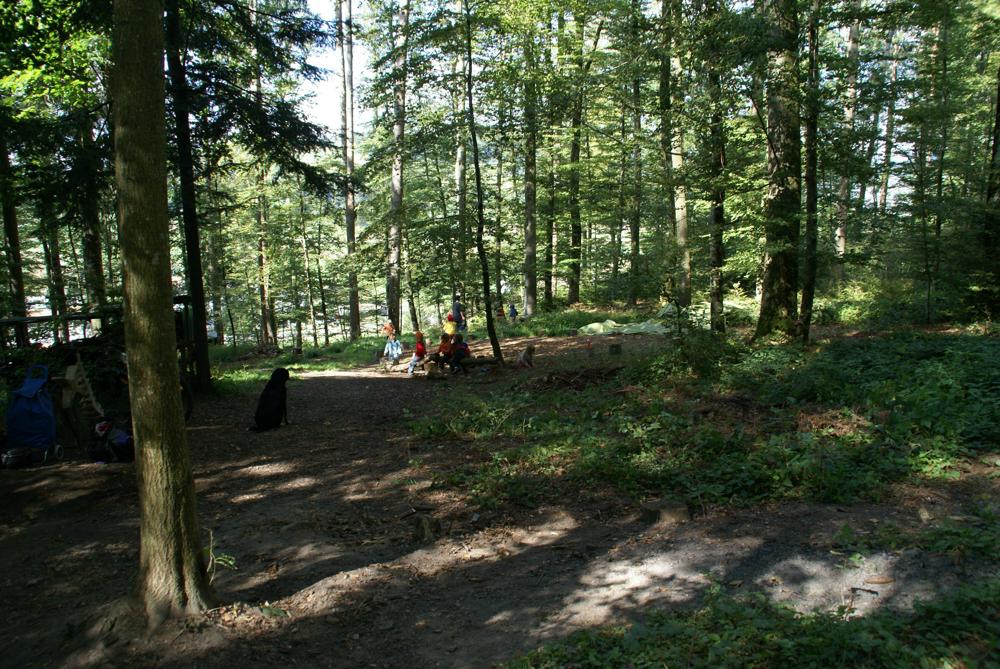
(350, 553)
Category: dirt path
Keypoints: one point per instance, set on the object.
(347, 555)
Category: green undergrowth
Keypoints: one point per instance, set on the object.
(552, 324)
(239, 370)
(961, 629)
(975, 534)
(714, 422)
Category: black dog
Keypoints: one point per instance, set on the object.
(272, 407)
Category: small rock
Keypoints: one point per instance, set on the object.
(426, 528)
(665, 512)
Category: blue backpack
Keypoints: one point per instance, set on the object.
(31, 420)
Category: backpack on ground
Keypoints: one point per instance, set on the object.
(31, 423)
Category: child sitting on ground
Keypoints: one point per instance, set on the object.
(393, 350)
(459, 351)
(419, 351)
(443, 355)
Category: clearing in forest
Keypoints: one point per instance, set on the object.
(456, 523)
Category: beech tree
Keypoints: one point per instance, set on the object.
(778, 308)
(172, 570)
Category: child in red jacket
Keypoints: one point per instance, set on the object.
(419, 352)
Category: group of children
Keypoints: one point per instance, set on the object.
(452, 349)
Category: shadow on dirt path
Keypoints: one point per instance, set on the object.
(348, 555)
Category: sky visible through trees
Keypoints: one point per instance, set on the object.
(662, 138)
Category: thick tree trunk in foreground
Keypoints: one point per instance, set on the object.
(779, 285)
(172, 574)
(185, 166)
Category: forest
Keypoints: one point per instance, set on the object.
(754, 244)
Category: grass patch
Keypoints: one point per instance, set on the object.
(974, 534)
(714, 422)
(553, 323)
(959, 630)
(236, 370)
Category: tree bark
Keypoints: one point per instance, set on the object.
(664, 94)
(890, 131)
(480, 222)
(180, 96)
(268, 331)
(172, 570)
(91, 215)
(459, 172)
(15, 276)
(847, 145)
(346, 27)
(576, 124)
(392, 285)
(717, 167)
(530, 267)
(677, 171)
(811, 129)
(779, 285)
(57, 279)
(308, 270)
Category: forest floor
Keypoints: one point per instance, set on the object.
(350, 553)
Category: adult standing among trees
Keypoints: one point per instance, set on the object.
(458, 311)
(172, 571)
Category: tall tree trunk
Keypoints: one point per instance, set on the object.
(268, 333)
(501, 141)
(459, 172)
(617, 221)
(778, 308)
(392, 284)
(57, 280)
(480, 222)
(180, 95)
(576, 124)
(942, 98)
(91, 215)
(812, 126)
(217, 274)
(345, 22)
(322, 293)
(307, 266)
(890, 131)
(847, 144)
(530, 178)
(665, 99)
(677, 169)
(993, 178)
(172, 570)
(15, 276)
(575, 235)
(717, 167)
(636, 214)
(555, 120)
